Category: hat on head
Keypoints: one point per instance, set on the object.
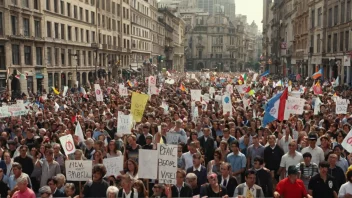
(312, 136)
(149, 137)
(292, 170)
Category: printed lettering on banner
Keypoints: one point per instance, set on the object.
(113, 166)
(341, 106)
(123, 123)
(167, 163)
(295, 105)
(123, 91)
(172, 138)
(68, 144)
(196, 95)
(17, 109)
(148, 160)
(98, 93)
(78, 170)
(152, 81)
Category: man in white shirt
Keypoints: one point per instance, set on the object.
(291, 158)
(187, 158)
(249, 188)
(317, 152)
(346, 188)
(127, 191)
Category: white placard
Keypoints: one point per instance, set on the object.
(113, 166)
(148, 161)
(98, 93)
(241, 88)
(123, 90)
(295, 105)
(68, 144)
(211, 91)
(341, 106)
(254, 77)
(229, 89)
(78, 170)
(196, 94)
(226, 104)
(65, 91)
(167, 163)
(173, 138)
(152, 81)
(153, 90)
(19, 102)
(123, 123)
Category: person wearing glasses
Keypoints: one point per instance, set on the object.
(291, 158)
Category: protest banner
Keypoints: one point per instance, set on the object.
(17, 109)
(98, 93)
(242, 89)
(196, 94)
(138, 105)
(113, 166)
(152, 81)
(347, 142)
(65, 91)
(123, 91)
(341, 106)
(78, 170)
(172, 138)
(229, 88)
(227, 104)
(295, 105)
(148, 160)
(167, 163)
(153, 90)
(68, 144)
(123, 123)
(4, 112)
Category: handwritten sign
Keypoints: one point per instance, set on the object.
(148, 160)
(172, 138)
(123, 90)
(295, 105)
(4, 112)
(68, 144)
(98, 92)
(17, 109)
(138, 105)
(152, 81)
(341, 106)
(78, 170)
(123, 123)
(153, 90)
(167, 163)
(113, 165)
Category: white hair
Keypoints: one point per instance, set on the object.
(112, 190)
(22, 179)
(61, 176)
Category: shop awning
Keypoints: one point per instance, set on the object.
(39, 76)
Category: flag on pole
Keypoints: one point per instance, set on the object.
(275, 108)
(318, 74)
(265, 73)
(55, 91)
(79, 132)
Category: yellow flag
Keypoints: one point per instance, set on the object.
(55, 91)
(138, 105)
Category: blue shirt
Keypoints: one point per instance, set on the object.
(11, 181)
(237, 161)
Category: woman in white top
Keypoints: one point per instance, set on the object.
(132, 169)
(346, 188)
(112, 150)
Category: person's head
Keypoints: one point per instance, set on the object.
(250, 178)
(131, 140)
(307, 157)
(332, 159)
(49, 155)
(78, 154)
(235, 146)
(255, 139)
(206, 131)
(338, 150)
(56, 148)
(70, 189)
(192, 147)
(52, 183)
(180, 176)
(213, 178)
(126, 182)
(22, 183)
(139, 186)
(323, 168)
(292, 146)
(17, 169)
(61, 180)
(23, 150)
(196, 159)
(225, 169)
(112, 192)
(349, 174)
(312, 139)
(45, 192)
(258, 162)
(292, 173)
(99, 172)
(191, 179)
(158, 189)
(132, 166)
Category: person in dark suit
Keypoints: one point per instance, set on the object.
(198, 169)
(181, 189)
(226, 179)
(263, 177)
(52, 183)
(207, 143)
(142, 138)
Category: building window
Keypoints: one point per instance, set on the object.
(15, 54)
(69, 52)
(36, 4)
(63, 56)
(57, 56)
(48, 29)
(89, 58)
(48, 55)
(62, 31)
(68, 9)
(87, 35)
(330, 17)
(81, 13)
(56, 8)
(48, 4)
(2, 60)
(118, 10)
(87, 16)
(343, 11)
(93, 36)
(38, 51)
(14, 24)
(313, 18)
(56, 29)
(69, 33)
(27, 55)
(318, 43)
(78, 57)
(25, 3)
(37, 29)
(92, 16)
(82, 35)
(76, 33)
(1, 25)
(348, 11)
(14, 2)
(62, 7)
(336, 18)
(341, 41)
(335, 43)
(92, 2)
(25, 26)
(84, 58)
(347, 40)
(75, 15)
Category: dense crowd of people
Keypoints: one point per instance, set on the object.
(221, 152)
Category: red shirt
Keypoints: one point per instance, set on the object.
(26, 194)
(291, 190)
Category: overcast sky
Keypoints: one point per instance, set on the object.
(253, 9)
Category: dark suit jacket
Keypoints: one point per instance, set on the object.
(263, 179)
(59, 193)
(186, 191)
(208, 147)
(231, 185)
(141, 140)
(201, 176)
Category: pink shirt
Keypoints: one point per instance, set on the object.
(26, 194)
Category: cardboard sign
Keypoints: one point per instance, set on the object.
(98, 93)
(138, 103)
(341, 106)
(123, 123)
(196, 95)
(113, 165)
(78, 170)
(148, 159)
(68, 144)
(226, 104)
(229, 89)
(167, 163)
(152, 81)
